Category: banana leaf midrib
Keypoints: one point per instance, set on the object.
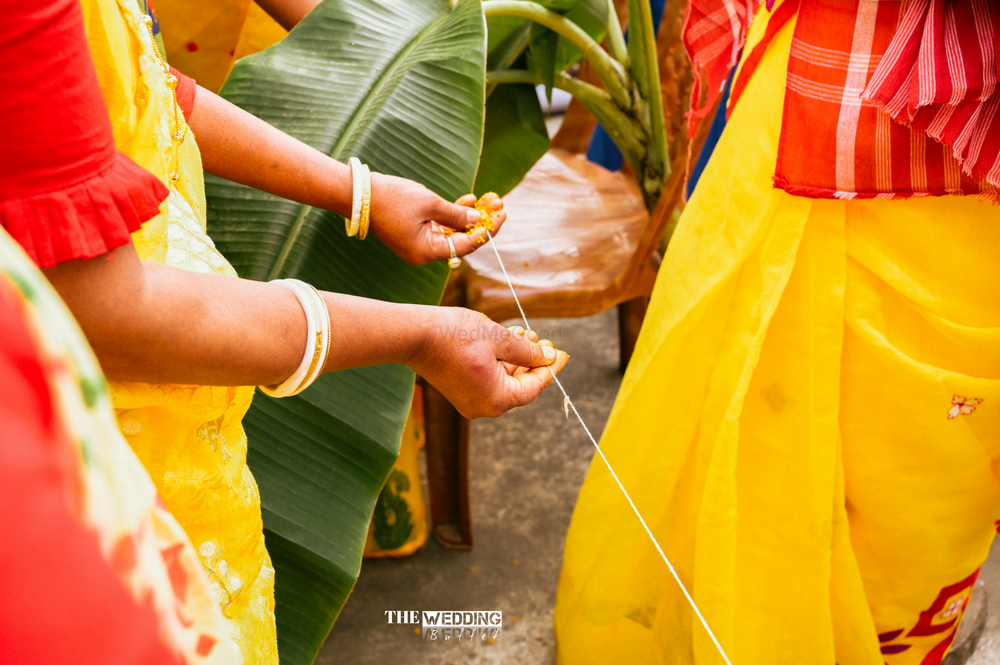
(360, 111)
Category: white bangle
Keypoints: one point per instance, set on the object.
(317, 340)
(353, 225)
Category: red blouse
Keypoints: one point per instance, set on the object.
(65, 191)
(185, 91)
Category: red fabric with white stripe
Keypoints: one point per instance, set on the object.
(855, 67)
(714, 32)
(833, 143)
(939, 76)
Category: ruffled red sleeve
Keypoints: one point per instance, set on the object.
(65, 192)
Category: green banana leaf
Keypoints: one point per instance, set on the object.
(507, 36)
(399, 84)
(514, 140)
(542, 47)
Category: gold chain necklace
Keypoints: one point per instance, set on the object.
(180, 126)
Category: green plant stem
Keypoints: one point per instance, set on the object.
(610, 71)
(625, 130)
(511, 54)
(627, 133)
(616, 38)
(645, 68)
(512, 76)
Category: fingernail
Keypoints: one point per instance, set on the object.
(549, 352)
(472, 216)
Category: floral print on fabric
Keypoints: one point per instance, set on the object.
(110, 492)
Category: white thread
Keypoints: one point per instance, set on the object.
(567, 400)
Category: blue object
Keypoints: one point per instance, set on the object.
(602, 150)
(718, 124)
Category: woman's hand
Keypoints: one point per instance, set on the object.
(408, 218)
(483, 368)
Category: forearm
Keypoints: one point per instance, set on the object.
(403, 214)
(238, 146)
(158, 324)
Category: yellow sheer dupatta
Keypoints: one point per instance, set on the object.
(785, 426)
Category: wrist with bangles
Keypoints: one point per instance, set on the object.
(317, 340)
(317, 315)
(357, 225)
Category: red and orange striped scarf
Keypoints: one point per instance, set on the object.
(869, 81)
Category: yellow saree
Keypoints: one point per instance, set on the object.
(810, 425)
(189, 438)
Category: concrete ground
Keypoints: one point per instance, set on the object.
(526, 469)
(987, 651)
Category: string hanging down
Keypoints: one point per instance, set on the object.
(568, 402)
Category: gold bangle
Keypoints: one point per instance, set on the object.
(353, 223)
(366, 201)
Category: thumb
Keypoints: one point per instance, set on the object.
(452, 215)
(519, 351)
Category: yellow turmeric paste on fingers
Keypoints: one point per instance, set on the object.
(485, 221)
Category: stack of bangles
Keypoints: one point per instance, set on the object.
(357, 225)
(361, 178)
(317, 340)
